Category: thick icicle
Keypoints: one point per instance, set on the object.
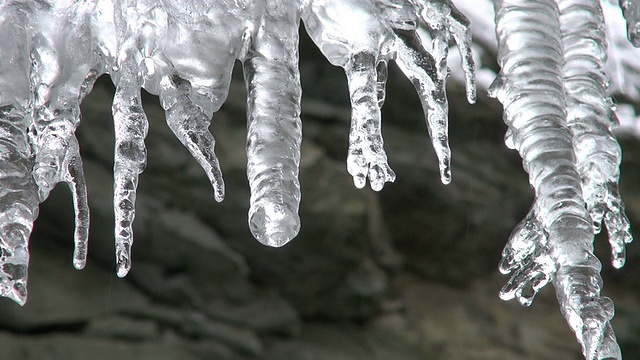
(61, 79)
(351, 35)
(274, 129)
(555, 241)
(590, 118)
(18, 191)
(631, 11)
(130, 121)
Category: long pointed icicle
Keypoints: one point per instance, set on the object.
(18, 191)
(131, 126)
(531, 90)
(274, 129)
(590, 118)
(420, 68)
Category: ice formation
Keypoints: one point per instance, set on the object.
(553, 89)
(55, 50)
(552, 84)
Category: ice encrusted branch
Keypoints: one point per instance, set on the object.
(554, 91)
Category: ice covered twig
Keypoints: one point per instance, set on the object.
(590, 118)
(530, 87)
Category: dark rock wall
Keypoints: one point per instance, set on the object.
(407, 273)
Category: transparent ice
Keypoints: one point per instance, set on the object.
(552, 84)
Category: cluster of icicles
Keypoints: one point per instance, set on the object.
(552, 85)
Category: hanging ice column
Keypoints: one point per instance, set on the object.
(553, 90)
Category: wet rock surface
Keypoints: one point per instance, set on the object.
(407, 273)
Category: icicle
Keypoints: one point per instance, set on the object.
(590, 118)
(191, 126)
(370, 45)
(198, 82)
(555, 241)
(130, 123)
(427, 74)
(631, 11)
(366, 158)
(350, 35)
(447, 21)
(18, 191)
(420, 67)
(274, 130)
(61, 80)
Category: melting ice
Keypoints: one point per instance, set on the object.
(552, 83)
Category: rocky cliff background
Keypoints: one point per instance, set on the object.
(406, 273)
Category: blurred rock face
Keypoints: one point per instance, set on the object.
(407, 273)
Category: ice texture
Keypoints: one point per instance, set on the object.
(274, 129)
(552, 84)
(554, 92)
(362, 37)
(18, 191)
(631, 11)
(590, 118)
(53, 52)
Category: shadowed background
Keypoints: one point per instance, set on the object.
(406, 273)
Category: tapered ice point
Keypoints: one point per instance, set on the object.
(190, 124)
